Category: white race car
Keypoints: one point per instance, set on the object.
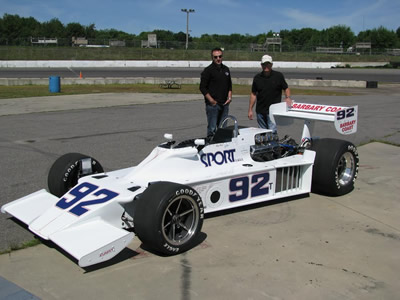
(93, 215)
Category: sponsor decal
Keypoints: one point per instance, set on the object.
(102, 254)
(347, 126)
(316, 107)
(219, 157)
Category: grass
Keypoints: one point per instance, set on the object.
(135, 53)
(25, 245)
(383, 141)
(23, 91)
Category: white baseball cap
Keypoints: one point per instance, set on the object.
(266, 58)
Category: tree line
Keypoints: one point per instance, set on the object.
(14, 28)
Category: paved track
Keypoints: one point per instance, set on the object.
(313, 248)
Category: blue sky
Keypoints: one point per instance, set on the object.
(212, 16)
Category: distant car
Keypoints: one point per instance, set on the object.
(93, 215)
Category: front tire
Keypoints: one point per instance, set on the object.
(335, 167)
(168, 217)
(66, 171)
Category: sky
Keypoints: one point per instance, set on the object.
(212, 16)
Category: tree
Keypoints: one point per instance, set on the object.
(75, 29)
(53, 29)
(90, 31)
(18, 30)
(380, 38)
(338, 36)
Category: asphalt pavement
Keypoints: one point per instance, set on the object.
(310, 247)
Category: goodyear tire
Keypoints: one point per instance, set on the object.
(66, 171)
(168, 217)
(335, 167)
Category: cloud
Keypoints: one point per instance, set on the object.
(307, 19)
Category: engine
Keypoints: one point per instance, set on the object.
(268, 147)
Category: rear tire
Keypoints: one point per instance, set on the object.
(65, 172)
(168, 217)
(335, 167)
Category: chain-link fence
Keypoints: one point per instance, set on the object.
(104, 49)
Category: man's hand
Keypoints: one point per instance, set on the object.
(229, 100)
(250, 115)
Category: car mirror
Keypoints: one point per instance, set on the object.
(199, 142)
(168, 136)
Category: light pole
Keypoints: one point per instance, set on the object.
(276, 37)
(187, 11)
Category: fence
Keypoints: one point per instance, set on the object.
(28, 48)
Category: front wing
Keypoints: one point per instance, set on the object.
(90, 242)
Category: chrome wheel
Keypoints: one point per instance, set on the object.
(346, 168)
(180, 220)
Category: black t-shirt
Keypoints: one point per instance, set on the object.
(216, 80)
(268, 88)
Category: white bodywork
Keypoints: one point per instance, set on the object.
(90, 221)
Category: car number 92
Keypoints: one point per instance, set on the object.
(82, 191)
(242, 188)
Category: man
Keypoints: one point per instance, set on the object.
(266, 90)
(216, 87)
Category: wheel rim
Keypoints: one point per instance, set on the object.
(345, 169)
(180, 220)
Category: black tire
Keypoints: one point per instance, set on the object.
(65, 172)
(168, 217)
(335, 167)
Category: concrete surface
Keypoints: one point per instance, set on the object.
(309, 248)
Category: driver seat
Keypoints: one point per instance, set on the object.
(223, 135)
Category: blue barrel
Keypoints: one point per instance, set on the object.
(54, 84)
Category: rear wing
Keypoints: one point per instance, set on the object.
(344, 118)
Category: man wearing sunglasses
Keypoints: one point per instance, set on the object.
(216, 87)
(266, 90)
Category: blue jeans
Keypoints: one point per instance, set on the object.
(264, 121)
(215, 115)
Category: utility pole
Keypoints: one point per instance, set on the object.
(187, 11)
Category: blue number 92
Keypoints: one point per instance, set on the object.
(81, 191)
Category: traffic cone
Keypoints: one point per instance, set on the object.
(80, 75)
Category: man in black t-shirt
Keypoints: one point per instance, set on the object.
(216, 86)
(266, 90)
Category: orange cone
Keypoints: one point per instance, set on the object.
(80, 75)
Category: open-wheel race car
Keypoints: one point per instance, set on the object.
(93, 215)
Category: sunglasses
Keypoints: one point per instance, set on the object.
(218, 56)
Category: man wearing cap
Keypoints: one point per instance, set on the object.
(216, 87)
(266, 90)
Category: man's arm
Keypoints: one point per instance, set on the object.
(229, 100)
(210, 99)
(252, 101)
(204, 82)
(288, 100)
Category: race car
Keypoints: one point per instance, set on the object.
(93, 215)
